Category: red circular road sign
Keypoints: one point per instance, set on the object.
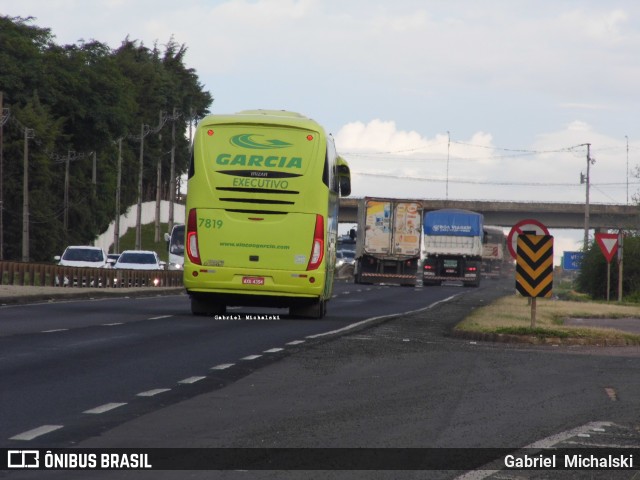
(523, 226)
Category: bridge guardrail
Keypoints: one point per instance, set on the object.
(49, 275)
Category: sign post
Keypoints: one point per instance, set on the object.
(620, 255)
(608, 243)
(534, 268)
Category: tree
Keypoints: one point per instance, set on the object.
(80, 99)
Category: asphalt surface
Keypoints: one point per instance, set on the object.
(366, 390)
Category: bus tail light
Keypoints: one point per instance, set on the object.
(192, 237)
(317, 248)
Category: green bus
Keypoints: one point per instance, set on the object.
(262, 213)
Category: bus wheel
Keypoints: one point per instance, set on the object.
(315, 310)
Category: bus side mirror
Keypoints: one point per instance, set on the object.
(344, 177)
(345, 186)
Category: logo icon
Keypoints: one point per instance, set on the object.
(23, 459)
(249, 140)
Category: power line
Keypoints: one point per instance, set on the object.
(479, 182)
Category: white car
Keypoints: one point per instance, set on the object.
(81, 256)
(140, 260)
(345, 257)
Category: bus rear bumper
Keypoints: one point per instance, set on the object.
(268, 289)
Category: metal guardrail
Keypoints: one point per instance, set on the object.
(48, 275)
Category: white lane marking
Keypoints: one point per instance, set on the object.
(153, 393)
(223, 366)
(111, 324)
(547, 442)
(251, 357)
(104, 408)
(372, 319)
(191, 380)
(160, 317)
(296, 342)
(274, 350)
(36, 432)
(55, 330)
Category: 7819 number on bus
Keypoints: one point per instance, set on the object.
(210, 223)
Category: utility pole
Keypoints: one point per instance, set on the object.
(172, 169)
(3, 118)
(28, 133)
(448, 148)
(116, 228)
(144, 129)
(94, 174)
(65, 221)
(627, 168)
(158, 186)
(586, 205)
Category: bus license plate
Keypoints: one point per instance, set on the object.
(253, 280)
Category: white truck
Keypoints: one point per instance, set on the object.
(494, 253)
(388, 241)
(175, 243)
(452, 247)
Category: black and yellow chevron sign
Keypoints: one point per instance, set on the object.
(534, 265)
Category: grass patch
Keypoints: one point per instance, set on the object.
(512, 316)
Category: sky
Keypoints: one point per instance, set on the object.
(426, 99)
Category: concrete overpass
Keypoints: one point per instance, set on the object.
(507, 214)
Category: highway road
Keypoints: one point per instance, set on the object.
(390, 382)
(59, 360)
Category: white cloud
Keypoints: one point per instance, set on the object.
(603, 27)
(502, 77)
(386, 159)
(380, 137)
